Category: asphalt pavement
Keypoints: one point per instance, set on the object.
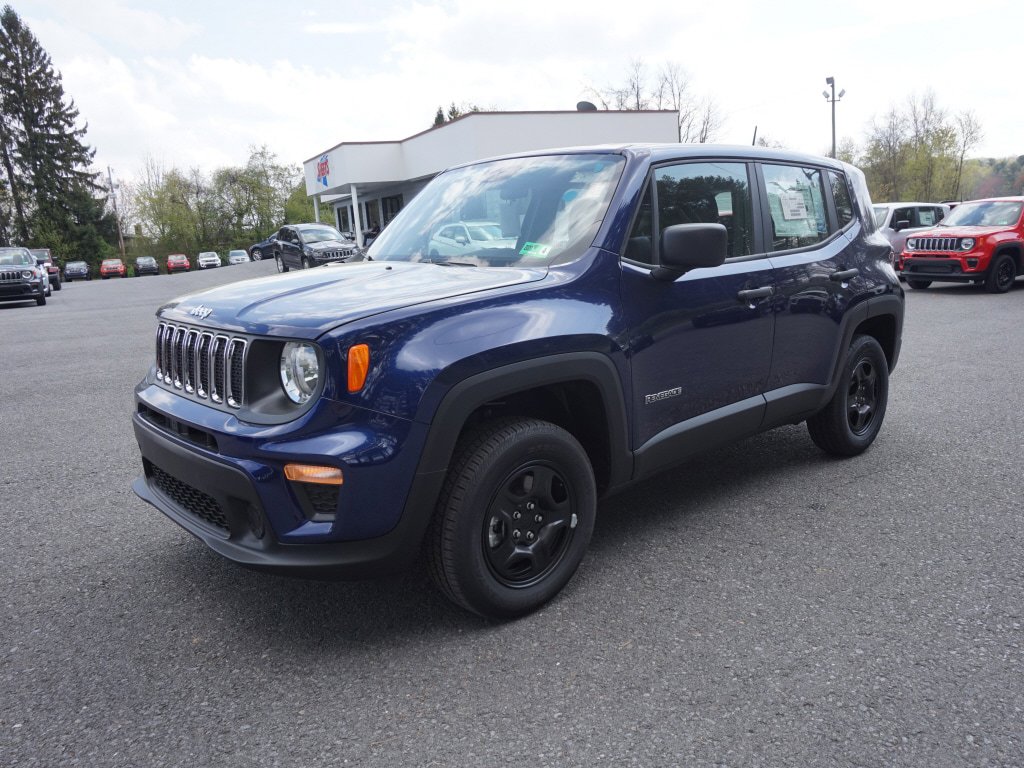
(763, 605)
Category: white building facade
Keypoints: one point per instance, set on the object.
(365, 184)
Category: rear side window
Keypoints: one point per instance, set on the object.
(708, 193)
(841, 197)
(796, 201)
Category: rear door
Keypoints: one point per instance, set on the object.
(807, 213)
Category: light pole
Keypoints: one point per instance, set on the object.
(831, 82)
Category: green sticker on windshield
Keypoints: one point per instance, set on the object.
(536, 250)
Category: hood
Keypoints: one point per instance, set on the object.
(310, 302)
(331, 245)
(958, 231)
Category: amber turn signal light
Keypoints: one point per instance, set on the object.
(310, 473)
(358, 366)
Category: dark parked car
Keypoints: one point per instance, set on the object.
(301, 246)
(475, 407)
(21, 278)
(263, 248)
(45, 259)
(77, 270)
(146, 265)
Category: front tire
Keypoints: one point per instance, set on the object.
(918, 285)
(281, 266)
(1002, 273)
(306, 263)
(514, 518)
(56, 285)
(41, 298)
(255, 254)
(851, 420)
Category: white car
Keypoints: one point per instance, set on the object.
(238, 257)
(208, 260)
(897, 220)
(468, 238)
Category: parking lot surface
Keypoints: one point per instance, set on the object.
(763, 605)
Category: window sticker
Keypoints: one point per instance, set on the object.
(536, 250)
(794, 207)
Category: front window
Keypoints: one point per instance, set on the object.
(311, 235)
(16, 257)
(112, 262)
(527, 211)
(984, 214)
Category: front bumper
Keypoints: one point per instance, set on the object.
(232, 494)
(959, 268)
(27, 291)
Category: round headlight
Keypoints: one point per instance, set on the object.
(27, 274)
(911, 244)
(966, 243)
(300, 371)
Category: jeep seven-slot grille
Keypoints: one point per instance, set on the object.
(203, 364)
(935, 244)
(11, 276)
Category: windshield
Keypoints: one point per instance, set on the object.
(319, 234)
(111, 263)
(75, 264)
(880, 211)
(984, 214)
(145, 260)
(16, 256)
(237, 253)
(526, 211)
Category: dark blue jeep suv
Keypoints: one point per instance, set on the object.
(617, 310)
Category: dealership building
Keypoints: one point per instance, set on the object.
(365, 184)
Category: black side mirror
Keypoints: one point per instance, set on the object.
(690, 246)
(902, 224)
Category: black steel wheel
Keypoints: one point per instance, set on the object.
(514, 518)
(1002, 273)
(851, 420)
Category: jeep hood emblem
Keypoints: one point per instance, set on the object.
(201, 312)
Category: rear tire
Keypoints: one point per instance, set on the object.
(918, 285)
(1002, 273)
(851, 420)
(514, 518)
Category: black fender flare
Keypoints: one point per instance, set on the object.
(463, 398)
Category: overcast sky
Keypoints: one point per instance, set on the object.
(196, 83)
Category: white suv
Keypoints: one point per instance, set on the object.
(208, 259)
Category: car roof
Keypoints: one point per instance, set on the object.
(664, 152)
(904, 204)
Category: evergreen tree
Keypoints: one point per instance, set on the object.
(45, 160)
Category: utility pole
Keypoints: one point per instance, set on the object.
(831, 82)
(117, 216)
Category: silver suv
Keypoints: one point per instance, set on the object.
(21, 279)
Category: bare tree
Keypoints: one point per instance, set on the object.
(968, 136)
(699, 119)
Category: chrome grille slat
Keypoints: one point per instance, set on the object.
(202, 364)
(936, 244)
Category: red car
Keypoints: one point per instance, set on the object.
(980, 241)
(178, 262)
(112, 268)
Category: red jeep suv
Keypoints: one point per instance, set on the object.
(981, 241)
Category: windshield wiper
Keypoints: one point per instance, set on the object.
(453, 263)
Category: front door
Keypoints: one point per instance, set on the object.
(700, 346)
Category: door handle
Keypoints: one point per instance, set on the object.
(846, 274)
(753, 294)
